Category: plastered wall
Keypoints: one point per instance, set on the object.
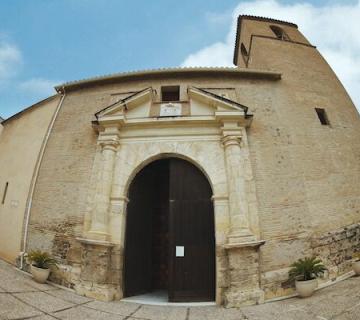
(20, 143)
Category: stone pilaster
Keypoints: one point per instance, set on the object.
(242, 246)
(238, 205)
(100, 215)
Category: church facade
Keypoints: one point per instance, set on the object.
(206, 183)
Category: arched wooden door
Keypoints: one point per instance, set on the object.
(170, 238)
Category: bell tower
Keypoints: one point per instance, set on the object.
(262, 42)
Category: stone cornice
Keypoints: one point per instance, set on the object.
(244, 244)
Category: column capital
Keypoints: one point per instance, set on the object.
(109, 144)
(109, 138)
(229, 140)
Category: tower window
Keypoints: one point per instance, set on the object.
(244, 52)
(170, 93)
(280, 33)
(322, 116)
(5, 191)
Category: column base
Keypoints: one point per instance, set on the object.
(244, 270)
(98, 235)
(105, 292)
(241, 236)
(95, 276)
(238, 298)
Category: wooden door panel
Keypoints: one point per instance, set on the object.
(192, 277)
(137, 268)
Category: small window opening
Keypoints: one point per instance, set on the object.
(5, 192)
(322, 116)
(244, 53)
(170, 93)
(280, 33)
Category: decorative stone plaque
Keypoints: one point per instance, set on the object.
(170, 109)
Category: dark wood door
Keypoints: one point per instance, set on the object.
(191, 226)
(170, 205)
(138, 259)
(146, 238)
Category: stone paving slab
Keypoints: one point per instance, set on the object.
(81, 312)
(214, 313)
(22, 298)
(12, 308)
(68, 296)
(116, 307)
(43, 301)
(16, 285)
(161, 313)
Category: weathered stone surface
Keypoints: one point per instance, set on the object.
(12, 308)
(339, 301)
(163, 313)
(43, 301)
(244, 281)
(86, 313)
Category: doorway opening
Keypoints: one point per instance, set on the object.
(170, 240)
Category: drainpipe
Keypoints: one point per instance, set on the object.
(35, 177)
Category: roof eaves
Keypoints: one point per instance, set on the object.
(29, 108)
(153, 73)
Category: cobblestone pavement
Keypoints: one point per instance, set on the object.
(22, 298)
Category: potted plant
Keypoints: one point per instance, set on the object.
(304, 272)
(40, 265)
(356, 263)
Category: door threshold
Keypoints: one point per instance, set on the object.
(160, 298)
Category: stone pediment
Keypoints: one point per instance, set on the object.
(201, 105)
(128, 104)
(215, 101)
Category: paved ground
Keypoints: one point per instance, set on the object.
(22, 298)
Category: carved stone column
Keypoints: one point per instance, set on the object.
(100, 216)
(97, 276)
(242, 246)
(238, 206)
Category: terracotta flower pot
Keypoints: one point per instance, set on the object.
(356, 267)
(306, 288)
(40, 275)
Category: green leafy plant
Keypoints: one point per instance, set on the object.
(306, 269)
(41, 259)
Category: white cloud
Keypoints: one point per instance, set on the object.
(39, 86)
(332, 28)
(10, 60)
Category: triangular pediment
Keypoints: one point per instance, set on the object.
(202, 106)
(206, 99)
(134, 104)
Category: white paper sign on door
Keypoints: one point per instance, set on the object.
(180, 251)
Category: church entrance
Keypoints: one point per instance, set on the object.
(170, 238)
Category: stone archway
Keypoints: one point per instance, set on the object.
(170, 236)
(218, 144)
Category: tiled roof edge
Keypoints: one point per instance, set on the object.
(164, 71)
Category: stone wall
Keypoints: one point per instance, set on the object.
(335, 248)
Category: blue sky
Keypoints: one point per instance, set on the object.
(43, 43)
